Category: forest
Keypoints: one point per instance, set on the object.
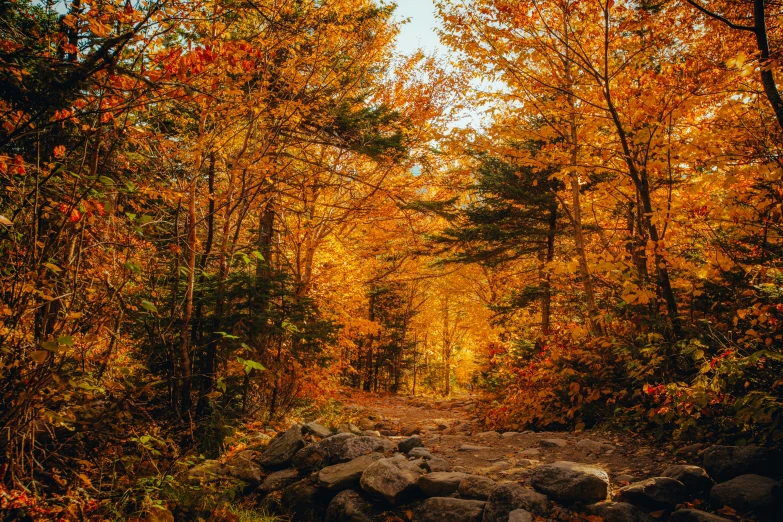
(221, 214)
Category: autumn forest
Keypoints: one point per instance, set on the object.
(216, 216)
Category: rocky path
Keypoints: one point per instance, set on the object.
(398, 459)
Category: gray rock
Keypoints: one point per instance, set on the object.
(394, 479)
(440, 484)
(694, 478)
(313, 428)
(302, 499)
(571, 482)
(726, 462)
(349, 428)
(243, 466)
(530, 452)
(755, 494)
(408, 444)
(207, 471)
(694, 515)
(690, 450)
(278, 480)
(509, 434)
(437, 464)
(552, 443)
(283, 448)
(619, 512)
(655, 493)
(520, 515)
(472, 447)
(476, 487)
(438, 509)
(323, 453)
(363, 446)
(488, 435)
(348, 506)
(510, 496)
(420, 453)
(346, 475)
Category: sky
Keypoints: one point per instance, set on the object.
(420, 31)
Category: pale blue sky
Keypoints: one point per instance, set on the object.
(420, 31)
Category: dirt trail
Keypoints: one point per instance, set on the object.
(450, 429)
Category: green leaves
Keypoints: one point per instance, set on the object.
(250, 365)
(147, 305)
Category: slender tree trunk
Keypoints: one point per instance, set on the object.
(545, 258)
(767, 76)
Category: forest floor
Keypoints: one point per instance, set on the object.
(450, 429)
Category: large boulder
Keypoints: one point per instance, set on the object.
(323, 453)
(438, 509)
(393, 479)
(346, 475)
(726, 462)
(304, 500)
(278, 480)
(655, 493)
(283, 448)
(408, 444)
(510, 496)
(364, 445)
(244, 466)
(694, 515)
(440, 484)
(313, 428)
(348, 506)
(571, 482)
(619, 512)
(694, 478)
(476, 487)
(751, 494)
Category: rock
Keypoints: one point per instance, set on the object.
(344, 476)
(348, 506)
(619, 479)
(476, 487)
(207, 471)
(509, 434)
(571, 482)
(530, 452)
(407, 431)
(366, 424)
(316, 429)
(302, 499)
(365, 445)
(408, 444)
(726, 462)
(440, 484)
(690, 450)
(243, 466)
(371, 433)
(694, 515)
(655, 493)
(472, 447)
(619, 512)
(420, 453)
(394, 479)
(593, 446)
(323, 453)
(552, 443)
(503, 465)
(520, 515)
(510, 496)
(342, 447)
(438, 509)
(755, 494)
(437, 464)
(278, 480)
(283, 448)
(348, 428)
(695, 479)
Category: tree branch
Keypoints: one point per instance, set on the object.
(720, 18)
